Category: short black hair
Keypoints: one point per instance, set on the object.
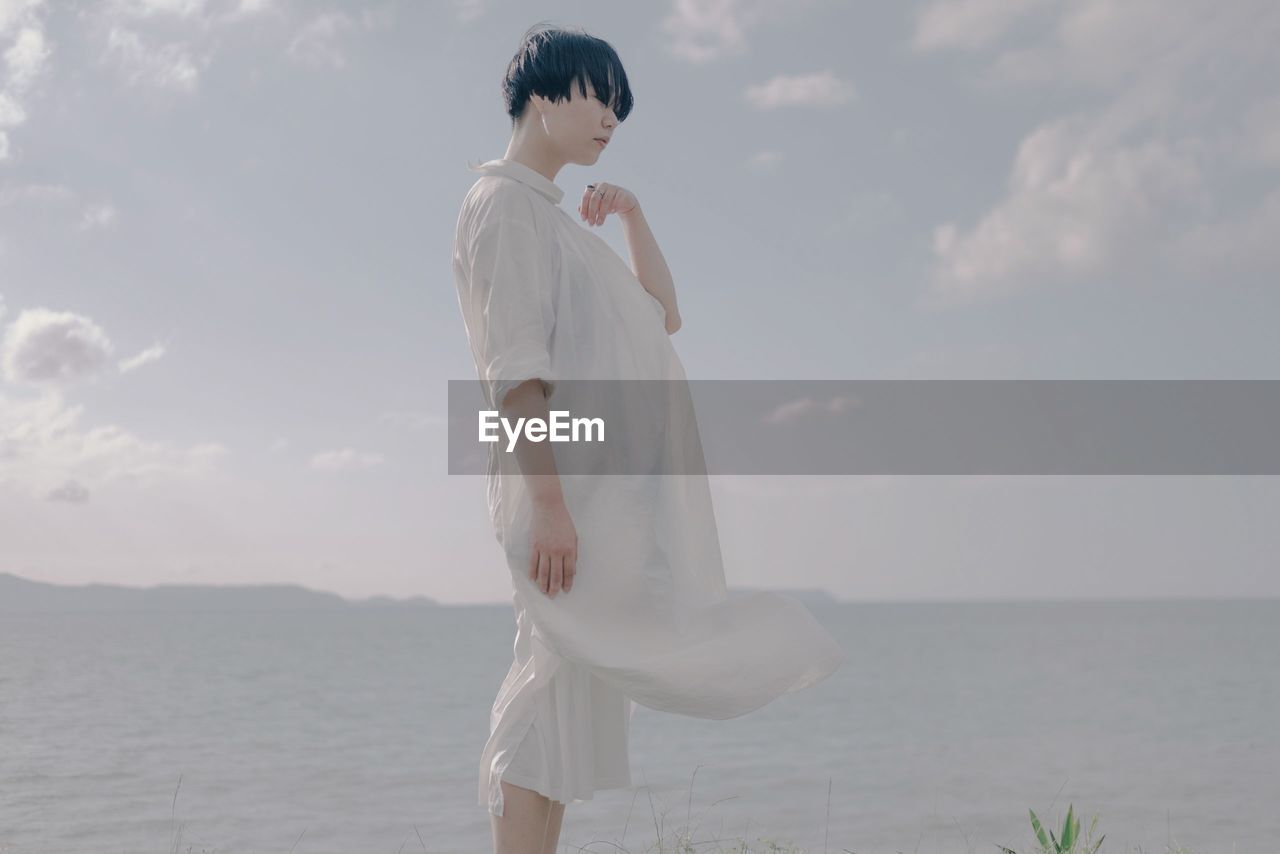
(551, 58)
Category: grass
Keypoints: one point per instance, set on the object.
(684, 838)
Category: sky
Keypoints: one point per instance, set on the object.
(227, 316)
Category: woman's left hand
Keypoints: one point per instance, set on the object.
(601, 199)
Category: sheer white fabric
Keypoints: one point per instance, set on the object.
(543, 296)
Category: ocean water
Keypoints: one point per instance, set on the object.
(360, 730)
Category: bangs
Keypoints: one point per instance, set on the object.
(552, 59)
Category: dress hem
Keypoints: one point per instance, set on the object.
(537, 786)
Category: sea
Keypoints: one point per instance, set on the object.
(360, 730)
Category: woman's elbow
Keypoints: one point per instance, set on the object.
(673, 323)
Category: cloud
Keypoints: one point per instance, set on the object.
(167, 67)
(55, 196)
(346, 459)
(157, 8)
(44, 448)
(70, 492)
(317, 43)
(203, 11)
(151, 354)
(702, 31)
(804, 407)
(821, 89)
(42, 347)
(25, 58)
(1075, 208)
(131, 29)
(97, 216)
(1118, 187)
(969, 24)
(39, 194)
(468, 10)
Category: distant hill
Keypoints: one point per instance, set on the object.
(22, 594)
(807, 595)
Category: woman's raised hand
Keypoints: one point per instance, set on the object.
(601, 199)
(553, 560)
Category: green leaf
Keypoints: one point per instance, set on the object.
(1035, 823)
(1069, 829)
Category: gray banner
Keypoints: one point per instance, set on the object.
(915, 427)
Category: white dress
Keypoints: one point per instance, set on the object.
(649, 619)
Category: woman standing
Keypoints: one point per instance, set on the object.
(618, 586)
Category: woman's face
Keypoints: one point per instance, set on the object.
(574, 124)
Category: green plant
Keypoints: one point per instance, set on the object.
(1050, 844)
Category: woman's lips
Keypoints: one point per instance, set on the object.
(602, 143)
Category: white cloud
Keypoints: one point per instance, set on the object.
(253, 7)
(317, 43)
(820, 89)
(97, 216)
(1119, 187)
(468, 10)
(151, 354)
(44, 449)
(345, 459)
(11, 111)
(71, 492)
(25, 58)
(968, 24)
(42, 346)
(1073, 209)
(56, 196)
(154, 8)
(706, 30)
(167, 67)
(15, 12)
(804, 407)
(39, 194)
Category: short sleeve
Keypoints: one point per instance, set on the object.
(509, 304)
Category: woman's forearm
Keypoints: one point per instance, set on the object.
(649, 265)
(536, 460)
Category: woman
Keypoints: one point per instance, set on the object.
(618, 585)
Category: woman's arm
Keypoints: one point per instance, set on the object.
(649, 265)
(553, 555)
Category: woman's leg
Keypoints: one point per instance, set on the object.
(522, 829)
(554, 817)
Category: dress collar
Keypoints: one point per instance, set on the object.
(524, 174)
